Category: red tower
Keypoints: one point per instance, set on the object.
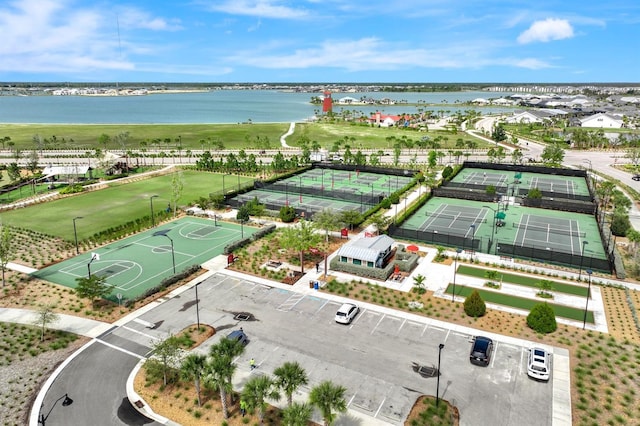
(327, 102)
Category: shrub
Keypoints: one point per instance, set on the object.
(542, 319)
(474, 306)
(287, 214)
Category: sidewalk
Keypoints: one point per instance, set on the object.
(82, 326)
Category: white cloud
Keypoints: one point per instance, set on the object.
(136, 18)
(261, 8)
(547, 30)
(374, 54)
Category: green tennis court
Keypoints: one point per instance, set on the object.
(135, 264)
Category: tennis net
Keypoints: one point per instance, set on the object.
(549, 229)
(466, 218)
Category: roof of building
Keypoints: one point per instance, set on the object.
(366, 249)
(65, 170)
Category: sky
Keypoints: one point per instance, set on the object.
(331, 41)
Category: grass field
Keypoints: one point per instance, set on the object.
(522, 303)
(526, 281)
(113, 206)
(233, 136)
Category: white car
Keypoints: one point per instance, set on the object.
(539, 364)
(347, 313)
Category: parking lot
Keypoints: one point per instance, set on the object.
(374, 357)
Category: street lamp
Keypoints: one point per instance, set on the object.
(66, 401)
(472, 228)
(586, 306)
(582, 260)
(455, 270)
(495, 213)
(440, 347)
(163, 233)
(371, 185)
(153, 219)
(197, 306)
(75, 233)
(94, 256)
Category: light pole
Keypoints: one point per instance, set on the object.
(440, 347)
(94, 256)
(495, 213)
(584, 243)
(472, 228)
(372, 203)
(455, 270)
(163, 233)
(153, 219)
(66, 401)
(586, 306)
(197, 306)
(75, 233)
(300, 187)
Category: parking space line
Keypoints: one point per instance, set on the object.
(424, 329)
(374, 328)
(446, 337)
(351, 400)
(402, 325)
(380, 407)
(522, 359)
(292, 301)
(356, 318)
(495, 352)
(326, 302)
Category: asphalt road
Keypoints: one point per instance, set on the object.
(95, 380)
(373, 358)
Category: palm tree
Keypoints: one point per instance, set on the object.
(256, 391)
(328, 397)
(192, 368)
(219, 369)
(297, 414)
(289, 377)
(229, 348)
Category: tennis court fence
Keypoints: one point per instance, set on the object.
(562, 195)
(557, 257)
(435, 237)
(352, 196)
(564, 205)
(549, 229)
(463, 194)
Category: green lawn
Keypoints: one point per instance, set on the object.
(233, 136)
(525, 280)
(113, 206)
(85, 136)
(522, 303)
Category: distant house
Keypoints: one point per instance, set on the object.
(602, 120)
(369, 252)
(528, 117)
(383, 120)
(348, 100)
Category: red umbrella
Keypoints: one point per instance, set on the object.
(413, 247)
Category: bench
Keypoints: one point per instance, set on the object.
(147, 324)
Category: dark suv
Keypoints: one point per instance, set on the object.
(481, 351)
(635, 177)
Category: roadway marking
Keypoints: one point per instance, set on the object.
(292, 301)
(495, 352)
(326, 302)
(380, 407)
(120, 349)
(379, 321)
(138, 332)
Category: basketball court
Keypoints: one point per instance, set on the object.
(135, 264)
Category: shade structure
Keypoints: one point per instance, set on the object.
(413, 247)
